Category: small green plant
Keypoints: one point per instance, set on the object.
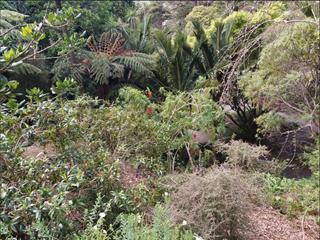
(293, 196)
(133, 227)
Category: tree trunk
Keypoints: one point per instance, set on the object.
(65, 31)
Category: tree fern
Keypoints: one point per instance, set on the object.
(63, 67)
(110, 59)
(4, 25)
(103, 69)
(8, 16)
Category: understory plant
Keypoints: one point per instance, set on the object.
(83, 145)
(294, 197)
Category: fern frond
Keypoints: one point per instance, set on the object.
(11, 15)
(62, 66)
(102, 69)
(5, 24)
(26, 68)
(138, 62)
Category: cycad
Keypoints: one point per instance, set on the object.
(215, 49)
(176, 70)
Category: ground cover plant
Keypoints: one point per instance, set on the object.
(139, 128)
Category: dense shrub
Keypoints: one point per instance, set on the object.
(215, 204)
(250, 157)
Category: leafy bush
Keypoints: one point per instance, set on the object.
(90, 142)
(215, 204)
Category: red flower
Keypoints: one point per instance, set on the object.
(149, 110)
(194, 136)
(149, 94)
(196, 150)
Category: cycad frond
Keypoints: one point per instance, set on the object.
(26, 68)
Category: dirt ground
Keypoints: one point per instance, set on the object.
(269, 223)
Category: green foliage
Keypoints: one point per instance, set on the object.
(82, 152)
(68, 87)
(269, 122)
(312, 155)
(11, 54)
(293, 196)
(133, 227)
(6, 89)
(205, 15)
(289, 77)
(36, 94)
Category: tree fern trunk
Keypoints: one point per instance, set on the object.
(65, 31)
(103, 90)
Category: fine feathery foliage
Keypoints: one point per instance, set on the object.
(215, 204)
(27, 68)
